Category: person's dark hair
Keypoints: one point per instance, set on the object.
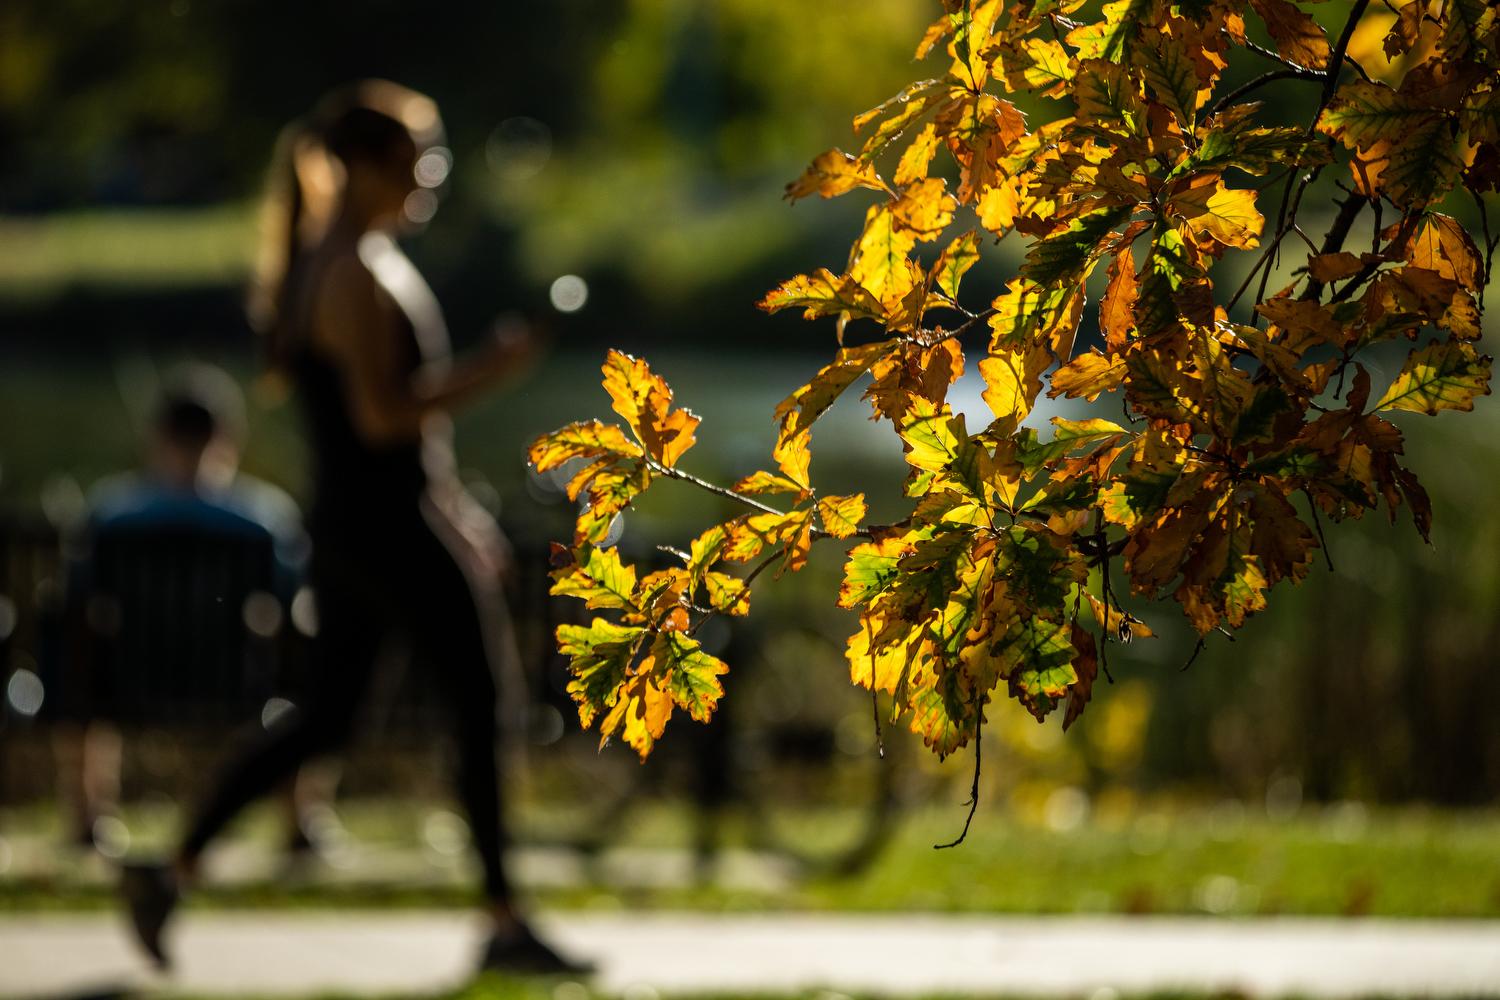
(367, 121)
(197, 404)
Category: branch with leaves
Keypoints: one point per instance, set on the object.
(998, 581)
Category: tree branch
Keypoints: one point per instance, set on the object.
(974, 789)
(1291, 73)
(723, 491)
(1333, 240)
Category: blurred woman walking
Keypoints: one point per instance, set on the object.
(397, 543)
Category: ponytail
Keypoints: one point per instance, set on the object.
(299, 194)
(365, 119)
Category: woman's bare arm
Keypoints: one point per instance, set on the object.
(361, 327)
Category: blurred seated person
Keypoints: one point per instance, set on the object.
(189, 488)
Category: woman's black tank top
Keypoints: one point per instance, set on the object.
(357, 487)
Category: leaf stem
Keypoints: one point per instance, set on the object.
(1291, 73)
(974, 789)
(723, 491)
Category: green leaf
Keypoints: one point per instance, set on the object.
(599, 578)
(1107, 99)
(1170, 78)
(692, 676)
(869, 570)
(1038, 660)
(1067, 257)
(1425, 164)
(600, 655)
(1254, 150)
(1363, 114)
(1442, 376)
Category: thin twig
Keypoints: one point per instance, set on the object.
(1330, 87)
(1196, 650)
(1292, 73)
(1333, 240)
(687, 477)
(1318, 524)
(1276, 57)
(749, 579)
(958, 331)
(974, 790)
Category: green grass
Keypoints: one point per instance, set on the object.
(155, 247)
(1401, 863)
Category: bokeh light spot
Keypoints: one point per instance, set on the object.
(420, 206)
(433, 167)
(519, 148)
(273, 710)
(569, 293)
(25, 693)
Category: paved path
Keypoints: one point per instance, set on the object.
(421, 951)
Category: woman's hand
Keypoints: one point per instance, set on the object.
(513, 345)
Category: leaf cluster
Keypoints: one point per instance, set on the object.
(1240, 432)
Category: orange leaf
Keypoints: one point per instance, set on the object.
(834, 173)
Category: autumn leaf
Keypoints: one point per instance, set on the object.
(645, 401)
(599, 578)
(600, 655)
(1169, 77)
(1013, 379)
(1222, 214)
(763, 482)
(841, 516)
(1298, 37)
(584, 439)
(954, 262)
(1441, 376)
(640, 712)
(1108, 100)
(924, 208)
(823, 293)
(834, 173)
(1087, 375)
(1363, 114)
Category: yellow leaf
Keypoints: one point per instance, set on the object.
(841, 515)
(766, 482)
(823, 293)
(792, 455)
(882, 667)
(1442, 376)
(1444, 246)
(1013, 378)
(880, 258)
(999, 205)
(1224, 214)
(584, 439)
(834, 173)
(640, 714)
(917, 156)
(645, 401)
(1086, 376)
(924, 208)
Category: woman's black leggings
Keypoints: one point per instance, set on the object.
(400, 579)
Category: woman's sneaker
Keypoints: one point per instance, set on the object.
(520, 951)
(150, 895)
